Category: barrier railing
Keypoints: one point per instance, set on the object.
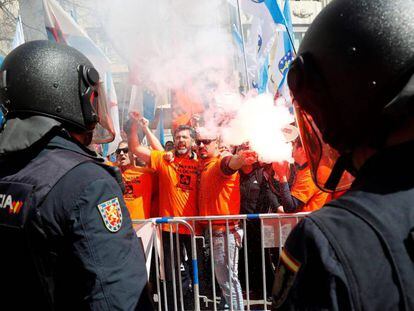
(274, 229)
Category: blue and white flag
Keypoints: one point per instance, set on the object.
(281, 57)
(261, 37)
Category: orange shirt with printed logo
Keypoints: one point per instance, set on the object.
(138, 191)
(219, 194)
(177, 183)
(305, 190)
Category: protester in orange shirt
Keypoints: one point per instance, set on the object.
(138, 183)
(177, 193)
(219, 194)
(304, 195)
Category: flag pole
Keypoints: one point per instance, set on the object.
(290, 39)
(287, 6)
(244, 47)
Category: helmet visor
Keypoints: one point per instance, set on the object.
(314, 115)
(104, 131)
(322, 157)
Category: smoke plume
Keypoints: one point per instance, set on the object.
(187, 45)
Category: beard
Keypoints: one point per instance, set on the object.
(182, 151)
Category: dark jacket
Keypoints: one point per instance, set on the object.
(256, 193)
(358, 252)
(76, 255)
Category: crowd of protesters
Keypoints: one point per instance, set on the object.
(196, 175)
(66, 233)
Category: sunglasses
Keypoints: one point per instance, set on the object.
(124, 150)
(205, 142)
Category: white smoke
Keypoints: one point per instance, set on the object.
(256, 120)
(172, 44)
(186, 45)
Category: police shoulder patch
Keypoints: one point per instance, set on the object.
(285, 277)
(111, 214)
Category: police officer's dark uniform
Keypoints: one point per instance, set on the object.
(353, 89)
(66, 237)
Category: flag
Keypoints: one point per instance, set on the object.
(266, 19)
(136, 99)
(275, 12)
(160, 129)
(289, 56)
(253, 45)
(149, 105)
(146, 102)
(269, 50)
(113, 109)
(62, 28)
(262, 87)
(143, 101)
(18, 35)
(282, 55)
(266, 10)
(163, 100)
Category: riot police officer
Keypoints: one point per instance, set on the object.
(66, 238)
(352, 84)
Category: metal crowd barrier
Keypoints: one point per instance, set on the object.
(274, 229)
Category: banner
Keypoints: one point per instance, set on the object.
(145, 232)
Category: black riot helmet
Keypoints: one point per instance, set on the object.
(42, 78)
(352, 82)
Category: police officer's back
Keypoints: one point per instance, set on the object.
(353, 90)
(66, 237)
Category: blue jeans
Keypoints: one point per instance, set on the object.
(227, 263)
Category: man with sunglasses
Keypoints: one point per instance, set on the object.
(138, 182)
(219, 194)
(66, 236)
(352, 85)
(177, 184)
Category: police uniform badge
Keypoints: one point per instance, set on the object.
(111, 214)
(16, 199)
(285, 276)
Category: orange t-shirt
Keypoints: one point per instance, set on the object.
(177, 187)
(138, 191)
(154, 200)
(219, 194)
(305, 190)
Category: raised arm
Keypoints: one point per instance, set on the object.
(136, 148)
(242, 158)
(290, 203)
(152, 139)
